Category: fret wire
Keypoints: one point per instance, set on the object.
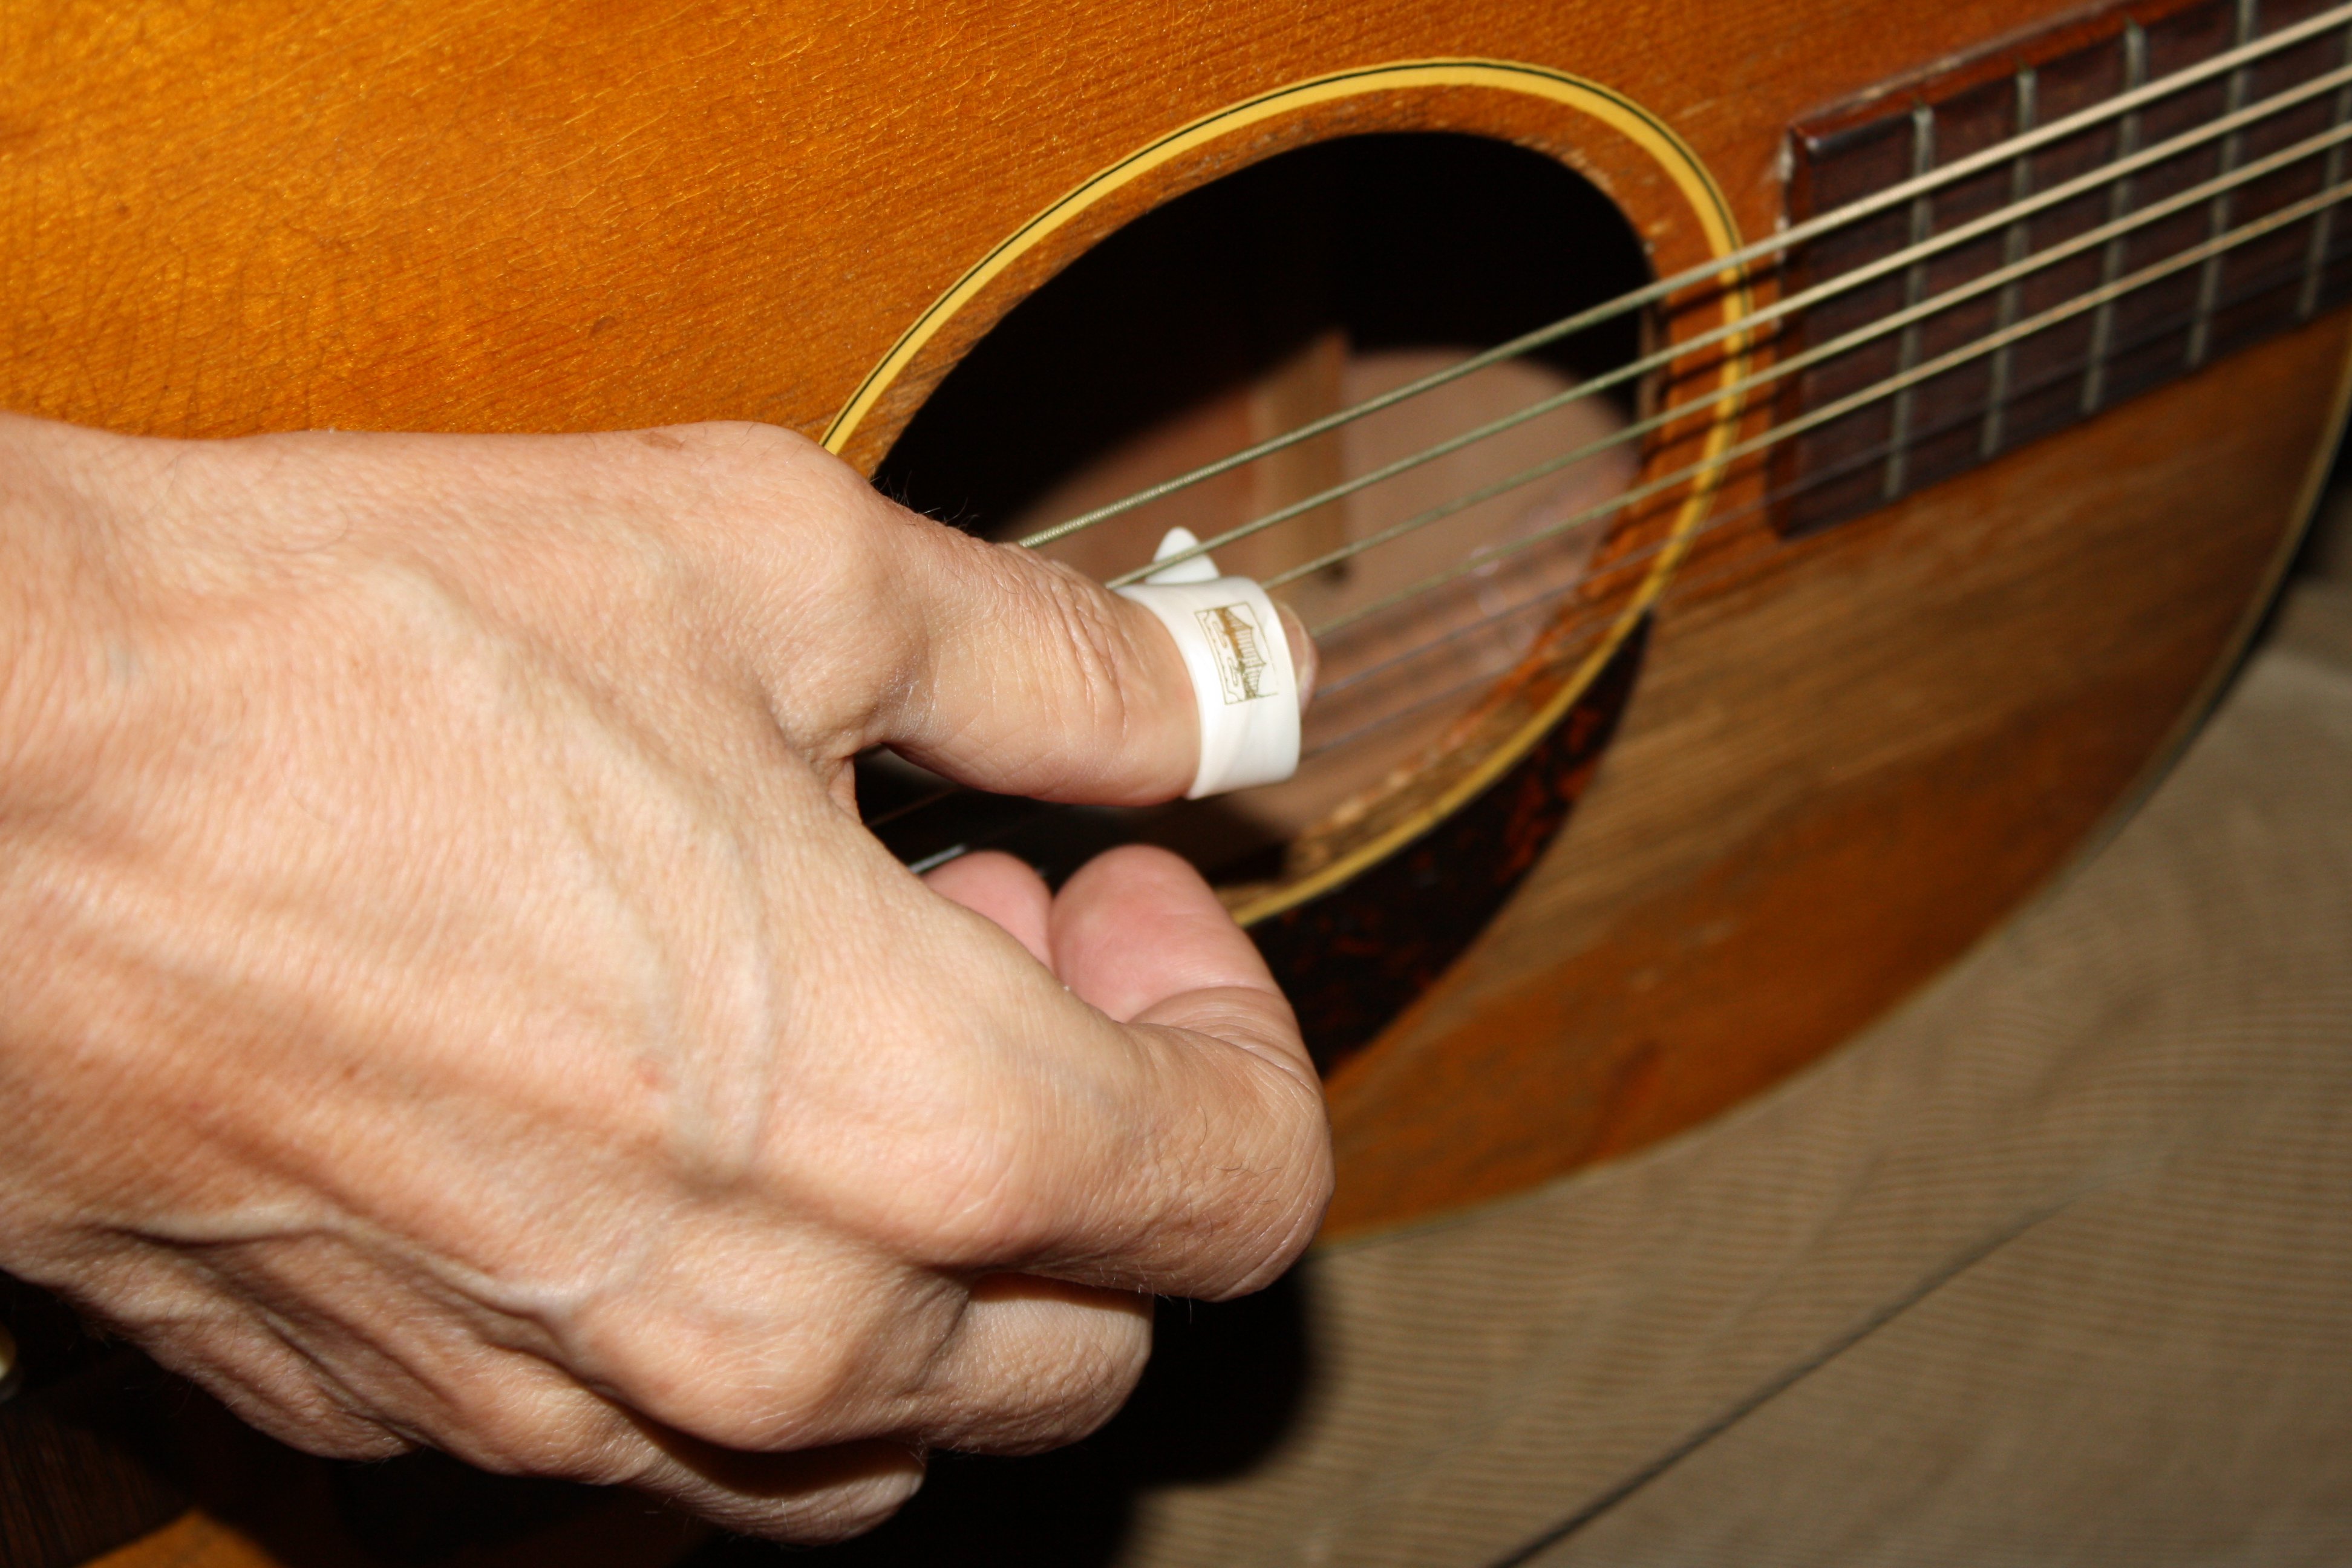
(1723, 270)
(2315, 262)
(2016, 245)
(1915, 288)
(1590, 617)
(1854, 401)
(1844, 282)
(2217, 221)
(2064, 191)
(2119, 201)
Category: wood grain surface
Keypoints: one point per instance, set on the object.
(493, 216)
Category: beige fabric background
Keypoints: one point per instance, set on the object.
(2052, 1268)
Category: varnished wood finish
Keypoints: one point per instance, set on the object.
(492, 214)
(2093, 359)
(1356, 958)
(194, 1539)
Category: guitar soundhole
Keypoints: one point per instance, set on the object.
(1299, 286)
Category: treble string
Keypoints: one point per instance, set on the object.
(1721, 268)
(1805, 299)
(1723, 273)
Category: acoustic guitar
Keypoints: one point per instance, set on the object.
(1772, 484)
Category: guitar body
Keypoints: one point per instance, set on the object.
(1848, 753)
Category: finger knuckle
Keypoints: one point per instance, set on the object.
(1067, 1402)
(845, 1512)
(716, 443)
(1267, 1213)
(1287, 1212)
(260, 1377)
(979, 1204)
(758, 1393)
(343, 1435)
(1078, 617)
(772, 508)
(308, 1417)
(574, 1437)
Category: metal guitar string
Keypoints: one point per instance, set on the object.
(1925, 371)
(2106, 175)
(1722, 268)
(1598, 616)
(1712, 270)
(2179, 262)
(1935, 305)
(1587, 618)
(1990, 223)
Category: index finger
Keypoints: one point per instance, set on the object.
(1239, 1166)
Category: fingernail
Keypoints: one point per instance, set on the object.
(1303, 656)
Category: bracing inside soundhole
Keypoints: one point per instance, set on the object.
(1251, 307)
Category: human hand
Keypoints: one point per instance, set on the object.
(449, 998)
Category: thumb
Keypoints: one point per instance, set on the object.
(987, 663)
(1023, 677)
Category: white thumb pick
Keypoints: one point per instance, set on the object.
(1243, 685)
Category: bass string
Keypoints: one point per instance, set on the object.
(1746, 327)
(1927, 370)
(1720, 270)
(1887, 387)
(1593, 617)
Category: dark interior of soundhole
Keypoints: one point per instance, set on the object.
(1397, 240)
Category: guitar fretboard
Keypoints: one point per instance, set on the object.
(2074, 368)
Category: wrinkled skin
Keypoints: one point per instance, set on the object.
(446, 996)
